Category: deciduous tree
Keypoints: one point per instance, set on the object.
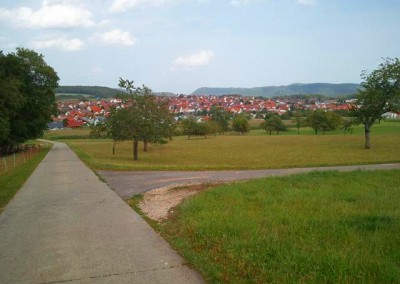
(380, 94)
(240, 123)
(27, 98)
(273, 123)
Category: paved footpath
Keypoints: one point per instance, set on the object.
(65, 225)
(127, 184)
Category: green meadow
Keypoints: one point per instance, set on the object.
(322, 227)
(256, 150)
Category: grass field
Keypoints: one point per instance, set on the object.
(78, 133)
(253, 151)
(325, 227)
(12, 181)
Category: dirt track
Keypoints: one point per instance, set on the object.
(127, 183)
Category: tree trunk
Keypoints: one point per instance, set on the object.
(145, 146)
(113, 150)
(135, 149)
(367, 131)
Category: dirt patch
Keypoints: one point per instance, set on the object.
(158, 203)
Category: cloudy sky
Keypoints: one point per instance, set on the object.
(180, 45)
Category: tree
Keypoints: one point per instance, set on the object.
(273, 123)
(298, 120)
(240, 124)
(191, 127)
(380, 94)
(143, 119)
(221, 117)
(324, 120)
(27, 98)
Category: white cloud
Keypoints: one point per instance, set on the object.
(306, 2)
(119, 6)
(201, 58)
(239, 2)
(54, 14)
(62, 43)
(117, 37)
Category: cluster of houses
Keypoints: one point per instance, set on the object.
(76, 114)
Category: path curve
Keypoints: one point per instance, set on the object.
(129, 183)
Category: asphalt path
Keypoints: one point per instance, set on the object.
(66, 226)
(129, 183)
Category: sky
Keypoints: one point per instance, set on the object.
(180, 45)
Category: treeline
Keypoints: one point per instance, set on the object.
(94, 91)
(27, 98)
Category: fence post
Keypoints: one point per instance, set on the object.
(5, 164)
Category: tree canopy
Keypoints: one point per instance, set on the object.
(144, 119)
(380, 94)
(324, 120)
(27, 98)
(240, 123)
(273, 123)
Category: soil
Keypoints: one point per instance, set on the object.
(158, 204)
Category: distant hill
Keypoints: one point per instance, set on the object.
(331, 90)
(94, 91)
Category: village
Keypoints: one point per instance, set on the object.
(73, 114)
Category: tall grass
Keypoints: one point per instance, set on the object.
(325, 227)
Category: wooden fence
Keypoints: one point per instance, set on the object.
(10, 162)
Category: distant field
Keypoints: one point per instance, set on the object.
(78, 133)
(325, 227)
(253, 151)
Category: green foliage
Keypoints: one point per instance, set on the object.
(191, 127)
(380, 94)
(94, 91)
(27, 98)
(144, 119)
(240, 123)
(273, 123)
(220, 116)
(100, 130)
(298, 120)
(322, 227)
(324, 120)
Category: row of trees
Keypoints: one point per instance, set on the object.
(149, 120)
(27, 98)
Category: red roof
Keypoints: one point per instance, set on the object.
(73, 123)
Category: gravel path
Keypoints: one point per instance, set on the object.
(127, 184)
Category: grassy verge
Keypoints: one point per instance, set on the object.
(12, 181)
(325, 227)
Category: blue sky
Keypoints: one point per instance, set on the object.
(180, 45)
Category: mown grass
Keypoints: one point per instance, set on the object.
(12, 181)
(74, 133)
(323, 227)
(253, 151)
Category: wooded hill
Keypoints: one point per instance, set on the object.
(326, 89)
(95, 91)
